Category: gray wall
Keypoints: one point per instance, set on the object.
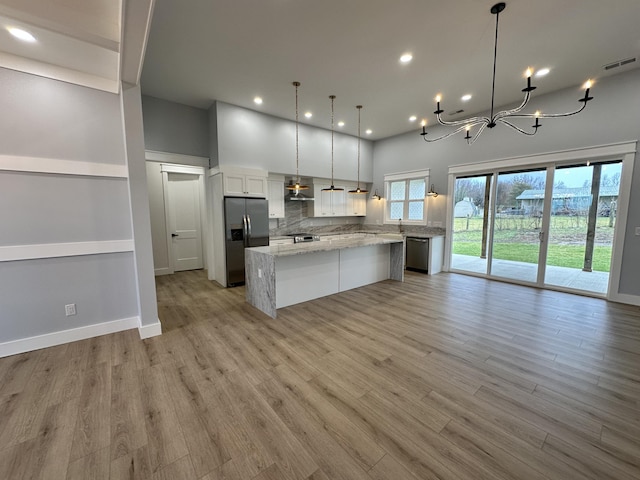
(47, 118)
(610, 118)
(255, 140)
(175, 128)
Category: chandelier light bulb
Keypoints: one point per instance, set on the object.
(528, 73)
(588, 84)
(438, 98)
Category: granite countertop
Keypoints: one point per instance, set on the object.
(378, 233)
(324, 245)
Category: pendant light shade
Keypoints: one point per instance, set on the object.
(359, 190)
(332, 188)
(297, 186)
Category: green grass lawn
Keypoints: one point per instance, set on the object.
(571, 256)
(516, 238)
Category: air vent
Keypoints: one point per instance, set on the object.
(455, 113)
(619, 63)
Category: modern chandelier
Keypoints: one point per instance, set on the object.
(503, 116)
(297, 186)
(358, 189)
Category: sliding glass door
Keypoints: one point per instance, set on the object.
(517, 225)
(550, 226)
(583, 215)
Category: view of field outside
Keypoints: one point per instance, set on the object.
(518, 217)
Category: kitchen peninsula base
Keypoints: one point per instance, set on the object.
(283, 275)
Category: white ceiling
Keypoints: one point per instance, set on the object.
(232, 50)
(78, 41)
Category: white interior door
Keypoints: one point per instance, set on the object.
(184, 221)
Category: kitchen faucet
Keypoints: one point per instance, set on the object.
(400, 229)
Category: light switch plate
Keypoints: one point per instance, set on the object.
(638, 231)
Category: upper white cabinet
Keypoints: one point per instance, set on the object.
(327, 203)
(337, 203)
(243, 182)
(275, 186)
(356, 203)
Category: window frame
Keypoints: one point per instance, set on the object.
(406, 177)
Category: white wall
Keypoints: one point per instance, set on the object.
(611, 117)
(61, 122)
(252, 139)
(175, 128)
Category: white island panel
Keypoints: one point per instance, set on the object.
(300, 278)
(363, 266)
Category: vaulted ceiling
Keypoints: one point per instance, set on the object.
(205, 50)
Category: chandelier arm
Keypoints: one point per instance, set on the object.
(475, 137)
(515, 127)
(446, 135)
(551, 115)
(509, 113)
(463, 123)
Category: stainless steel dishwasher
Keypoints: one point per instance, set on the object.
(417, 254)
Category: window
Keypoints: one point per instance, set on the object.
(405, 195)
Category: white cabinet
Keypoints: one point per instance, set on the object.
(242, 182)
(356, 204)
(275, 186)
(328, 203)
(338, 203)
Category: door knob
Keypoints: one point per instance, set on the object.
(174, 235)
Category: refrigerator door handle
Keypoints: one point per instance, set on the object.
(245, 232)
(249, 230)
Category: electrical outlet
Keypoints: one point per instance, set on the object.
(70, 309)
(638, 231)
(259, 273)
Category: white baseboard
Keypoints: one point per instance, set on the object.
(162, 271)
(65, 336)
(625, 298)
(151, 330)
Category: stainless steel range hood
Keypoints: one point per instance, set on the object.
(298, 196)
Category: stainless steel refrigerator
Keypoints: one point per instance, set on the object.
(246, 225)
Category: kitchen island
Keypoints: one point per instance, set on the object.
(281, 275)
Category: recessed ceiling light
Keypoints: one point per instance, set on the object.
(466, 98)
(406, 58)
(21, 34)
(369, 131)
(413, 118)
(257, 101)
(542, 72)
(341, 124)
(308, 114)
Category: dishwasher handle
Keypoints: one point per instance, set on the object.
(421, 240)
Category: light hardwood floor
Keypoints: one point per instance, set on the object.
(443, 377)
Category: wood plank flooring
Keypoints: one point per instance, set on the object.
(443, 377)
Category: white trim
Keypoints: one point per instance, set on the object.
(16, 163)
(10, 253)
(167, 222)
(446, 264)
(22, 345)
(188, 169)
(151, 330)
(162, 271)
(625, 298)
(389, 177)
(55, 72)
(620, 230)
(602, 152)
(166, 157)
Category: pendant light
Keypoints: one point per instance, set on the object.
(358, 189)
(332, 188)
(297, 186)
